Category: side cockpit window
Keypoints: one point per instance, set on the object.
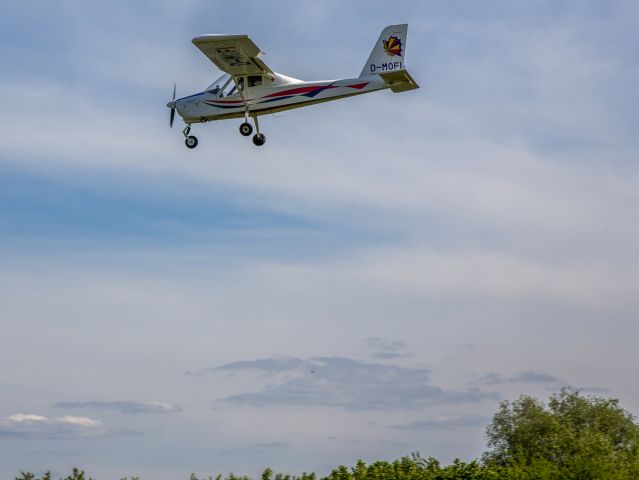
(225, 86)
(255, 80)
(228, 88)
(222, 87)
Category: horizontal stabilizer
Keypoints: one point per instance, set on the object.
(399, 81)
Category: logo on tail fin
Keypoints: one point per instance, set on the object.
(393, 46)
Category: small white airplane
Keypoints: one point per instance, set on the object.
(249, 88)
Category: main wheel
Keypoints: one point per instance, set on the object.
(191, 142)
(259, 139)
(246, 129)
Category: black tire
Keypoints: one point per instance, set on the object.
(191, 142)
(246, 129)
(259, 139)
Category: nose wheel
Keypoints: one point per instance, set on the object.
(189, 140)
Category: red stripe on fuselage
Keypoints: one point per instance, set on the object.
(358, 86)
(292, 91)
(296, 91)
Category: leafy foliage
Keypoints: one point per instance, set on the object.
(573, 437)
(76, 474)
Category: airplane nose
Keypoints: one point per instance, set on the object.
(171, 104)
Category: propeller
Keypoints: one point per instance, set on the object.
(171, 105)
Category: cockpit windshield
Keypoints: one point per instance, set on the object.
(223, 86)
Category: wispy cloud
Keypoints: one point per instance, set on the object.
(523, 377)
(446, 423)
(123, 406)
(31, 425)
(272, 364)
(349, 384)
(550, 382)
(385, 349)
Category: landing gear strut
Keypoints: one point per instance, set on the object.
(246, 129)
(259, 138)
(189, 140)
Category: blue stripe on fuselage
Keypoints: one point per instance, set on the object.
(190, 96)
(224, 106)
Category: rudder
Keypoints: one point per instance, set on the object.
(388, 52)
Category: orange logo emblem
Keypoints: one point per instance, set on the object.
(393, 46)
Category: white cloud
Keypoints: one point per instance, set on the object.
(39, 426)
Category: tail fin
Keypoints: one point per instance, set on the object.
(388, 52)
(387, 59)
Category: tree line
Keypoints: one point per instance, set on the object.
(571, 437)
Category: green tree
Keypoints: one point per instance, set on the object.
(572, 437)
(31, 476)
(26, 476)
(77, 474)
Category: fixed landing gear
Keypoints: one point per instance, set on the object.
(189, 140)
(259, 139)
(246, 129)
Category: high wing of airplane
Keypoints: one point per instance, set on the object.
(249, 88)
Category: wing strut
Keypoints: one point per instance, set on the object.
(241, 90)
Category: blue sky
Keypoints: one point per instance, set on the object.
(371, 282)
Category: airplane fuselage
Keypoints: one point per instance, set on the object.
(275, 94)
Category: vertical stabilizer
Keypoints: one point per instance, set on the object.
(388, 52)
